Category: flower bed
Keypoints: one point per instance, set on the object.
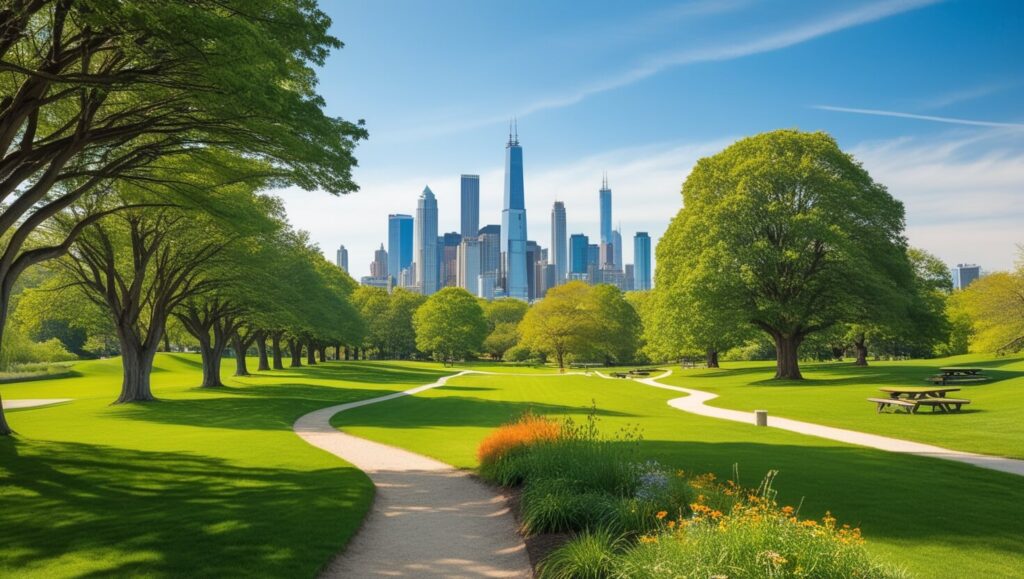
(629, 518)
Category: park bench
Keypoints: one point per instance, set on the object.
(620, 375)
(639, 373)
(946, 379)
(909, 405)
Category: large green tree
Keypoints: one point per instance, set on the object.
(563, 324)
(790, 234)
(995, 306)
(450, 324)
(503, 317)
(96, 91)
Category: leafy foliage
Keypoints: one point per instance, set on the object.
(450, 324)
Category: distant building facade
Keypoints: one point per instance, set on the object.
(425, 242)
(400, 245)
(578, 248)
(341, 259)
(559, 242)
(379, 265)
(470, 205)
(641, 261)
(964, 274)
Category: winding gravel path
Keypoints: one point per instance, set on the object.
(32, 402)
(428, 519)
(696, 403)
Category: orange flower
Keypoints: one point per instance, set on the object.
(671, 524)
(661, 515)
(787, 510)
(528, 429)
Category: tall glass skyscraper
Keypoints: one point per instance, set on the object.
(559, 250)
(513, 223)
(400, 232)
(964, 274)
(605, 196)
(641, 261)
(425, 242)
(490, 249)
(470, 205)
(617, 249)
(578, 248)
(342, 258)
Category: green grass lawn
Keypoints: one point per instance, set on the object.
(937, 518)
(835, 394)
(203, 483)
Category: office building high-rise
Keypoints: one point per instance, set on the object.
(605, 196)
(533, 253)
(425, 242)
(513, 223)
(964, 274)
(400, 234)
(490, 249)
(594, 255)
(450, 259)
(617, 250)
(641, 261)
(470, 206)
(379, 266)
(578, 244)
(559, 248)
(469, 265)
(342, 258)
(630, 277)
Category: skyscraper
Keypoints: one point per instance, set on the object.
(470, 205)
(400, 233)
(605, 196)
(426, 243)
(559, 250)
(450, 260)
(533, 253)
(513, 222)
(490, 249)
(641, 261)
(617, 250)
(964, 274)
(379, 266)
(469, 265)
(578, 244)
(342, 258)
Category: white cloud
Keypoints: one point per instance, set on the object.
(937, 119)
(964, 195)
(658, 63)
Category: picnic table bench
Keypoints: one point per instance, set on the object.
(957, 375)
(639, 373)
(911, 398)
(620, 375)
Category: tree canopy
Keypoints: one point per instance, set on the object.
(790, 234)
(450, 324)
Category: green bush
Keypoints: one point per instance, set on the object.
(590, 555)
(17, 349)
(557, 505)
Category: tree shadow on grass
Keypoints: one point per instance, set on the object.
(100, 510)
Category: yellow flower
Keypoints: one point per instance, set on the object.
(787, 510)
(648, 539)
(661, 514)
(671, 524)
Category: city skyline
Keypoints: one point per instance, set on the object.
(940, 125)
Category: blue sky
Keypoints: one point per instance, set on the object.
(927, 94)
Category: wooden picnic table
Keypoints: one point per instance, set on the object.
(960, 371)
(917, 392)
(911, 397)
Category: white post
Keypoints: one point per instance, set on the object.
(761, 417)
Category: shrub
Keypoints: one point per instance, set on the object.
(557, 505)
(528, 429)
(590, 555)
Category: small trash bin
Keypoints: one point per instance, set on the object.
(761, 417)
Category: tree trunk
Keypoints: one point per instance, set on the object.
(261, 347)
(561, 360)
(787, 364)
(711, 358)
(860, 345)
(323, 354)
(337, 351)
(310, 353)
(296, 350)
(275, 344)
(211, 353)
(347, 353)
(5, 430)
(167, 342)
(240, 351)
(137, 365)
